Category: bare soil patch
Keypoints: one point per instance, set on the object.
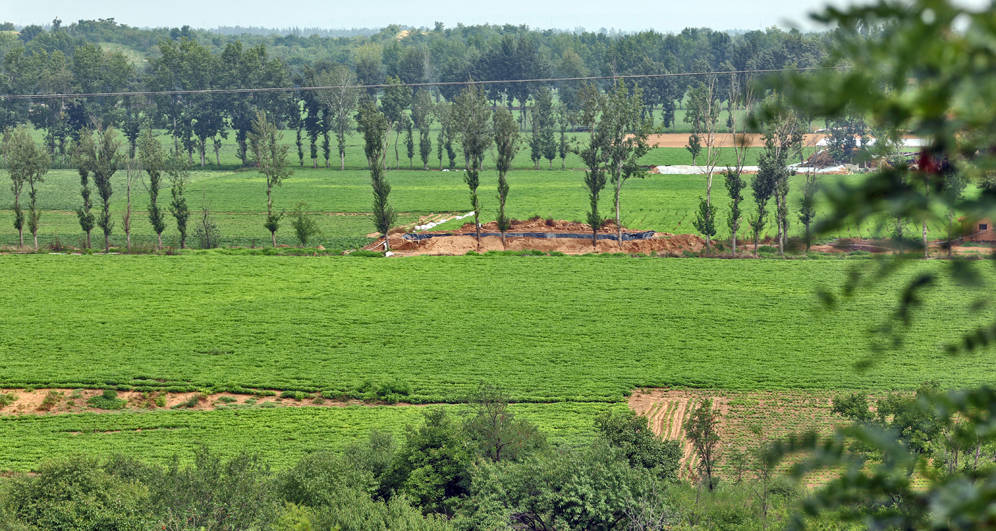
(775, 413)
(64, 401)
(463, 240)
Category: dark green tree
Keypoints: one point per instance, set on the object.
(150, 154)
(422, 110)
(432, 467)
(84, 165)
(495, 432)
(735, 185)
(373, 125)
(178, 171)
(101, 159)
(631, 433)
(705, 221)
(701, 429)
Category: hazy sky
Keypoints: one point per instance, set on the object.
(629, 15)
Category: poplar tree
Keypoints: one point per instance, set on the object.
(271, 160)
(150, 154)
(27, 163)
(177, 169)
(373, 125)
(99, 158)
(422, 118)
(807, 211)
(507, 142)
(84, 144)
(473, 124)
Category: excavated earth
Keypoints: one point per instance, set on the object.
(463, 240)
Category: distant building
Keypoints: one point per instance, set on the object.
(983, 231)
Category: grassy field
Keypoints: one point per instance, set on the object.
(280, 435)
(236, 199)
(546, 329)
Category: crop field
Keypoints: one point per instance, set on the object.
(546, 329)
(566, 337)
(281, 435)
(341, 201)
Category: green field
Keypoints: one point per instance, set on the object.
(545, 329)
(280, 435)
(237, 201)
(572, 334)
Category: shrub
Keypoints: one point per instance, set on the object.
(106, 400)
(305, 227)
(207, 234)
(51, 400)
(7, 399)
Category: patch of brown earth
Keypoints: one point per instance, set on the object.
(747, 419)
(464, 240)
(63, 401)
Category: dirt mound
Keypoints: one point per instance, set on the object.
(538, 224)
(679, 140)
(660, 244)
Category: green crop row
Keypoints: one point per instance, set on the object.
(543, 328)
(281, 435)
(665, 203)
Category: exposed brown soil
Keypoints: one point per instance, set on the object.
(775, 413)
(465, 240)
(63, 401)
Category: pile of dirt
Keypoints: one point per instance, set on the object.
(463, 240)
(538, 224)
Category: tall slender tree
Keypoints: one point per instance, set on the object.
(84, 144)
(100, 158)
(422, 120)
(178, 171)
(592, 155)
(373, 125)
(624, 131)
(507, 143)
(341, 102)
(473, 123)
(153, 160)
(266, 145)
(12, 148)
(703, 115)
(807, 210)
(27, 163)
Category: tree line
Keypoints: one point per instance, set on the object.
(77, 59)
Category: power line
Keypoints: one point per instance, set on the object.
(257, 90)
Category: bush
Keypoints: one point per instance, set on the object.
(106, 400)
(305, 227)
(7, 399)
(389, 392)
(78, 493)
(51, 400)
(207, 234)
